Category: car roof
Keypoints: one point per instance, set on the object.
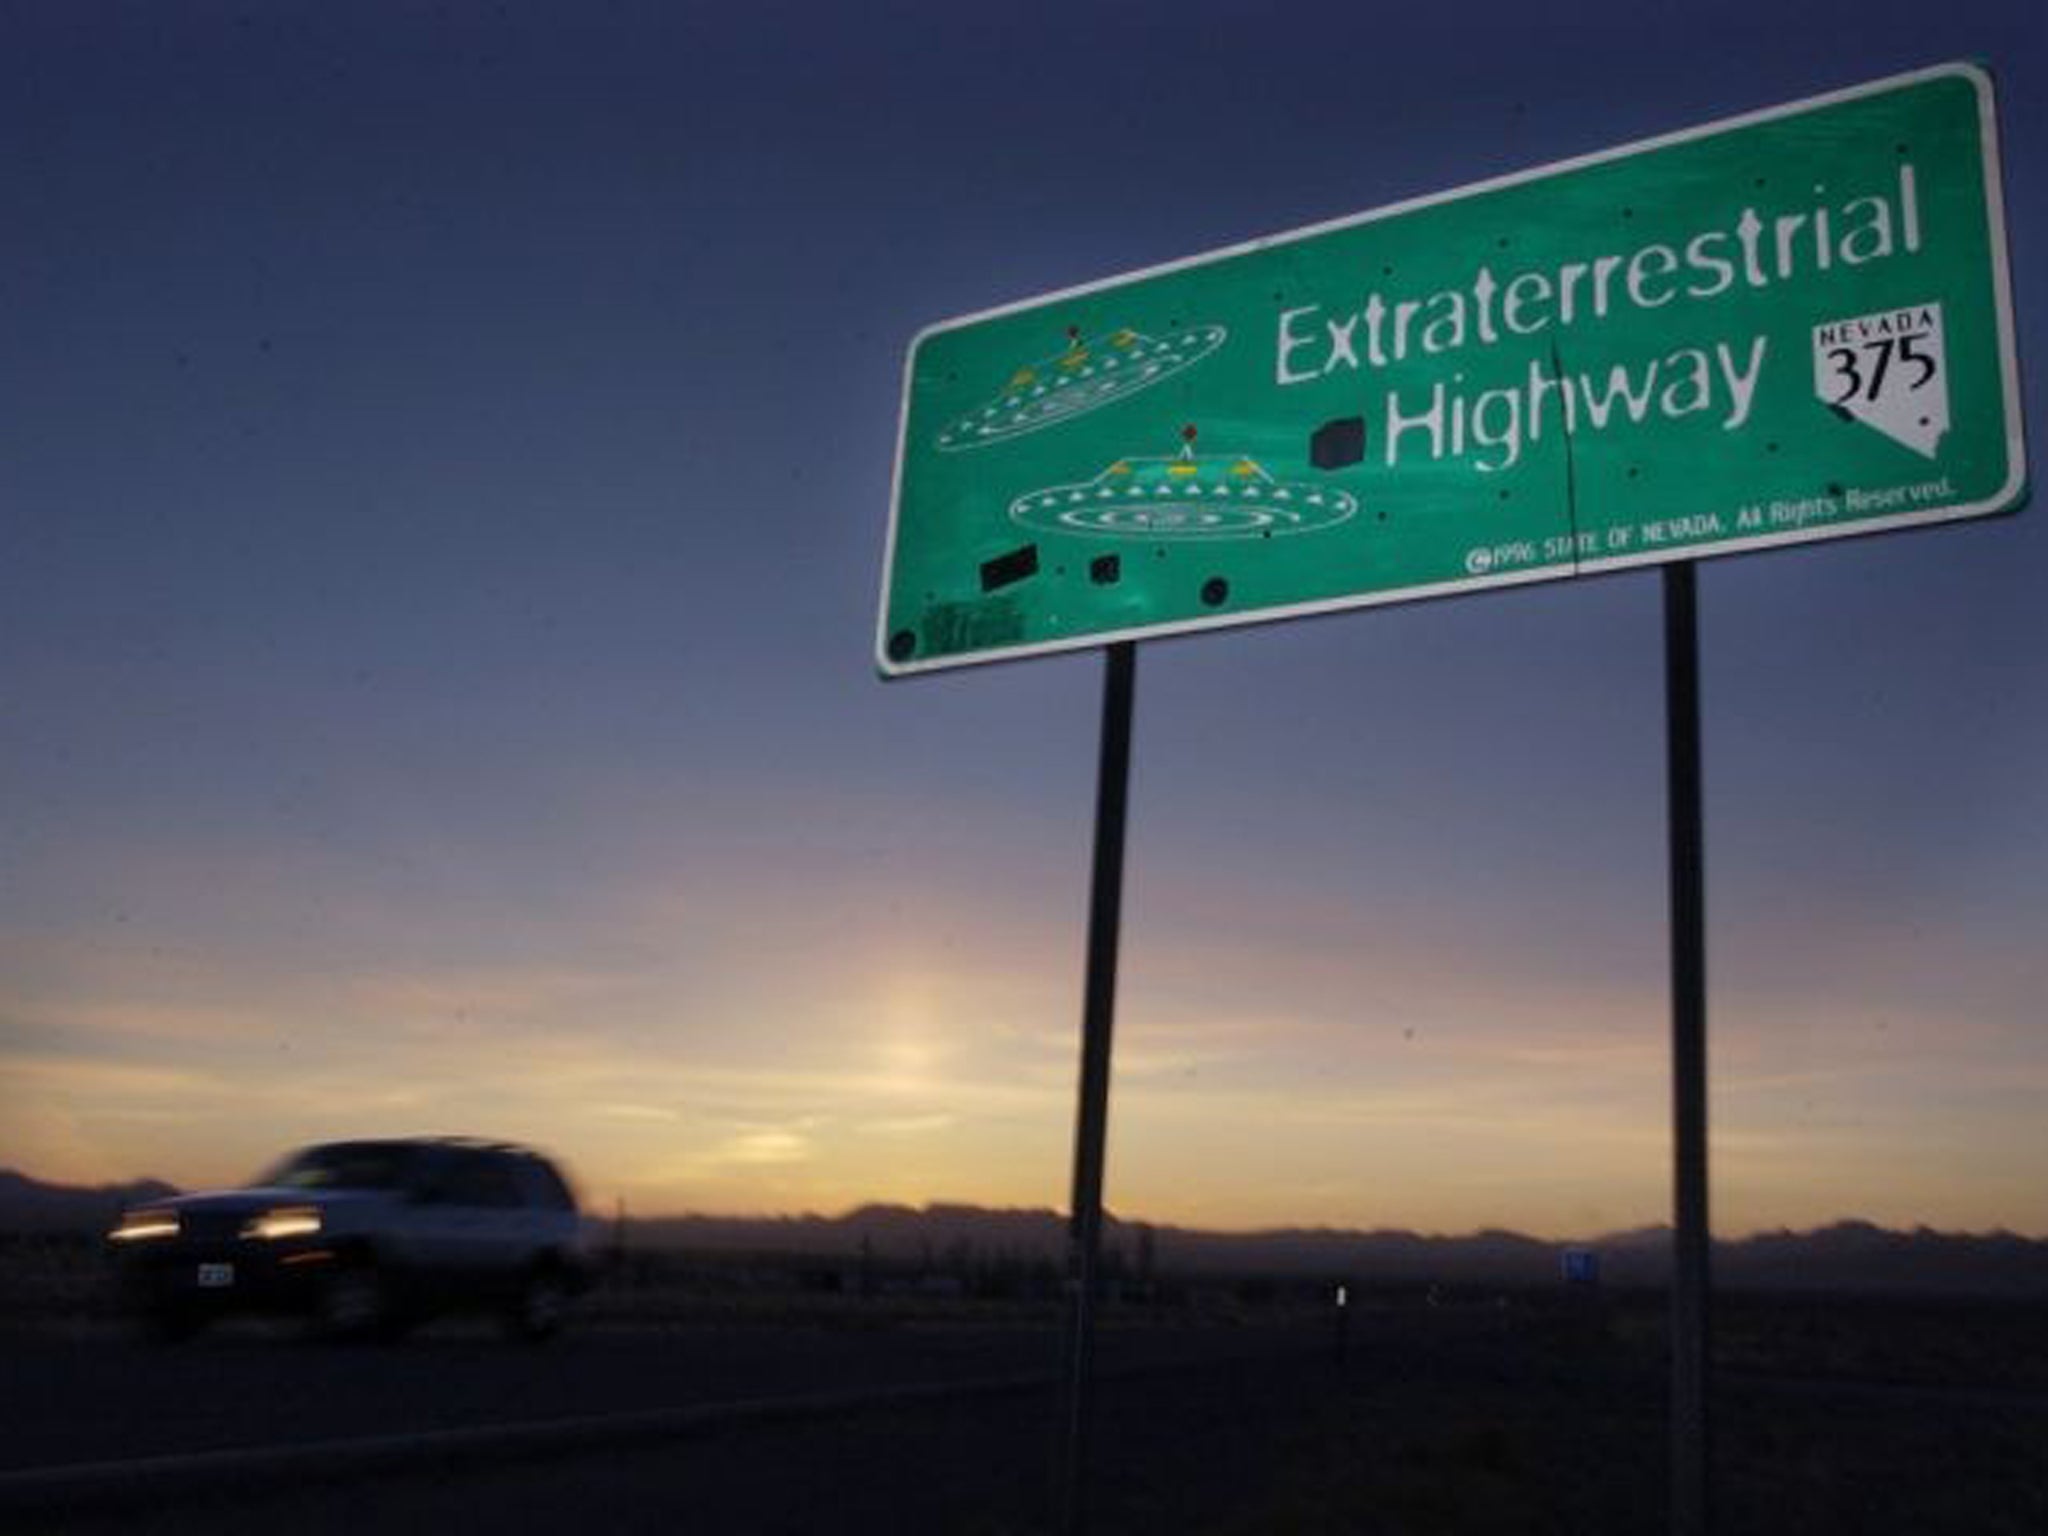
(453, 1143)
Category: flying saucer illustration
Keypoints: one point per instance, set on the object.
(1185, 496)
(1084, 377)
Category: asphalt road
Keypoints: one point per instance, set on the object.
(1202, 1399)
(242, 1408)
(1463, 1422)
(101, 1397)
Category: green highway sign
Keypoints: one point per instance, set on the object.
(1791, 325)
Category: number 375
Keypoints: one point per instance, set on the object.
(1879, 355)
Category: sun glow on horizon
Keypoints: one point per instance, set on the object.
(1560, 1138)
(1291, 1065)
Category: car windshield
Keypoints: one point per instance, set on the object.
(348, 1165)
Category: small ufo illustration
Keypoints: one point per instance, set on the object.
(1185, 496)
(1085, 375)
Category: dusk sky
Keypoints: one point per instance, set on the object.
(445, 461)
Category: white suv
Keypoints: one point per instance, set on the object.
(367, 1238)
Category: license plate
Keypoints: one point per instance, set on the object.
(216, 1277)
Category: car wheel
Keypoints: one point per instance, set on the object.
(541, 1307)
(354, 1303)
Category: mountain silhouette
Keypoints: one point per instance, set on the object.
(30, 1206)
(1845, 1256)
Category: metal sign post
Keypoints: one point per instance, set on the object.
(1691, 1333)
(1091, 1134)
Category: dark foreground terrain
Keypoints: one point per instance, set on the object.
(1536, 1413)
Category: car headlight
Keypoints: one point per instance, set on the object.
(285, 1221)
(140, 1226)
